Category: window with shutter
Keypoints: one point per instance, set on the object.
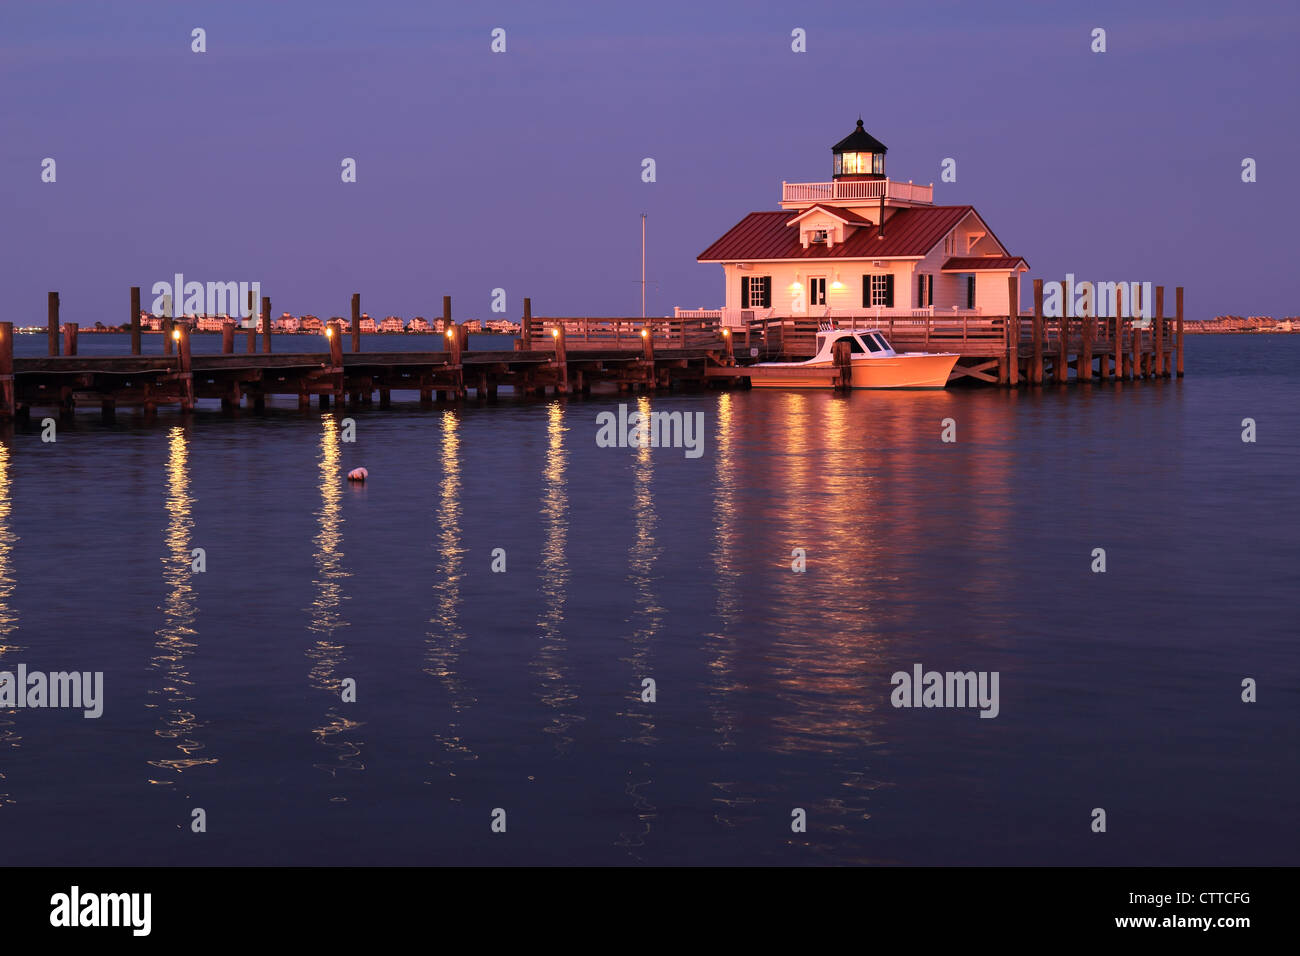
(889, 291)
(744, 292)
(970, 292)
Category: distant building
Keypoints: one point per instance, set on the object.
(392, 324)
(367, 324)
(418, 324)
(504, 326)
(309, 323)
(474, 325)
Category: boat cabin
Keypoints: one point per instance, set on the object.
(870, 342)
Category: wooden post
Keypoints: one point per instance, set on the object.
(1158, 335)
(1135, 335)
(356, 321)
(186, 367)
(135, 320)
(1083, 372)
(842, 358)
(252, 323)
(446, 320)
(227, 338)
(266, 324)
(561, 361)
(453, 344)
(1062, 370)
(8, 405)
(648, 356)
(336, 359)
(52, 304)
(1036, 330)
(1012, 330)
(1178, 342)
(166, 326)
(728, 347)
(70, 330)
(526, 336)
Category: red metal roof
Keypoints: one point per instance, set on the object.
(980, 263)
(764, 235)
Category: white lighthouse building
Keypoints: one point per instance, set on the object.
(863, 244)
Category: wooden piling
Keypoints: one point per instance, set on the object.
(52, 305)
(8, 393)
(1158, 333)
(227, 338)
(252, 341)
(446, 314)
(1178, 342)
(70, 330)
(1036, 332)
(356, 322)
(1061, 369)
(728, 347)
(842, 359)
(135, 320)
(336, 359)
(1083, 372)
(185, 366)
(561, 361)
(266, 324)
(1013, 330)
(167, 325)
(526, 327)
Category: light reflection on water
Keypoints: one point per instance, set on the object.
(337, 732)
(9, 737)
(646, 621)
(556, 690)
(445, 637)
(177, 638)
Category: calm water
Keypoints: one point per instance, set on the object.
(521, 690)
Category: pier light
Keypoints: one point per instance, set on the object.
(726, 333)
(859, 156)
(329, 332)
(644, 333)
(176, 334)
(451, 333)
(555, 333)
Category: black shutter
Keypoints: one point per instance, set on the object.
(930, 290)
(970, 292)
(744, 292)
(889, 291)
(920, 289)
(866, 292)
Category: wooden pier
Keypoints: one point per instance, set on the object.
(564, 355)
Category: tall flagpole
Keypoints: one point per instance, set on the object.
(643, 265)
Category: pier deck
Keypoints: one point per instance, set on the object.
(569, 355)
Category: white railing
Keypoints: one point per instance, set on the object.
(857, 189)
(896, 313)
(680, 313)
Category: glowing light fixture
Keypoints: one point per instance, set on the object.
(329, 331)
(176, 334)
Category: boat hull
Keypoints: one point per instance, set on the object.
(921, 370)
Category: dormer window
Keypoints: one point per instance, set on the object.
(819, 235)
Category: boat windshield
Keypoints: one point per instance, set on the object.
(870, 343)
(883, 344)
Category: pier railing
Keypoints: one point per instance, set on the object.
(625, 333)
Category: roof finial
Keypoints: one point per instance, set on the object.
(859, 121)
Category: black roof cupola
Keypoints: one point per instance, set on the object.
(859, 156)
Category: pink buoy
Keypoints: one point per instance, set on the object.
(358, 474)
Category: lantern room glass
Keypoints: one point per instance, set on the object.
(859, 164)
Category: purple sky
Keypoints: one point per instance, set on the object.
(522, 170)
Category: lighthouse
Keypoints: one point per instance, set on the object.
(862, 245)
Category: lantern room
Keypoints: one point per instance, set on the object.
(859, 156)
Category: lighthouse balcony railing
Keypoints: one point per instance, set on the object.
(857, 190)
